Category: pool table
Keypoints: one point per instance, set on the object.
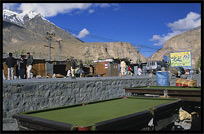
(184, 93)
(127, 113)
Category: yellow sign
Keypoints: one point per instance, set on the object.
(180, 59)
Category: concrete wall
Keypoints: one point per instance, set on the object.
(20, 97)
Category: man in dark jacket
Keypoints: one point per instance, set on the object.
(73, 67)
(10, 62)
(21, 67)
(29, 65)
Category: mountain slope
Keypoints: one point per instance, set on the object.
(190, 40)
(35, 24)
(27, 31)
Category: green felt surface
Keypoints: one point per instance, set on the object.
(168, 88)
(97, 112)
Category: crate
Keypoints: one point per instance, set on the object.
(186, 83)
(179, 81)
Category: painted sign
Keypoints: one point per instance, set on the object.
(106, 65)
(181, 59)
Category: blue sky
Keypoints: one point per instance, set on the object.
(147, 25)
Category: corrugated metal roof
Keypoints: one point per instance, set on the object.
(105, 60)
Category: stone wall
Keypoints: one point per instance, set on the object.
(21, 97)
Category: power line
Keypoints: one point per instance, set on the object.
(113, 40)
(91, 35)
(107, 39)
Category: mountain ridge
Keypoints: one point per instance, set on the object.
(30, 35)
(189, 40)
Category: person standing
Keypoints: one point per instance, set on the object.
(126, 70)
(123, 67)
(21, 67)
(129, 71)
(68, 68)
(73, 67)
(81, 66)
(29, 65)
(10, 62)
(139, 68)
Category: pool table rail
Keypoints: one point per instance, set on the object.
(136, 121)
(188, 95)
(36, 123)
(164, 114)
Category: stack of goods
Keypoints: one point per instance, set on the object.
(186, 83)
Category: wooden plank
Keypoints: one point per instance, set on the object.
(39, 68)
(161, 91)
(188, 95)
(100, 69)
(114, 69)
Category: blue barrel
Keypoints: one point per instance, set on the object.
(162, 78)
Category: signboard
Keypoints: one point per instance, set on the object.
(181, 59)
(106, 65)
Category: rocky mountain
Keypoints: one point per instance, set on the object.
(24, 32)
(34, 25)
(190, 40)
(18, 18)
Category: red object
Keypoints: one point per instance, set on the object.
(182, 85)
(179, 85)
(124, 97)
(106, 64)
(129, 68)
(84, 128)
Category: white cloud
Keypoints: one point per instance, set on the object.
(192, 20)
(162, 39)
(103, 5)
(52, 9)
(8, 6)
(11, 6)
(84, 32)
(91, 11)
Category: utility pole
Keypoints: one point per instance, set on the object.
(59, 47)
(49, 37)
